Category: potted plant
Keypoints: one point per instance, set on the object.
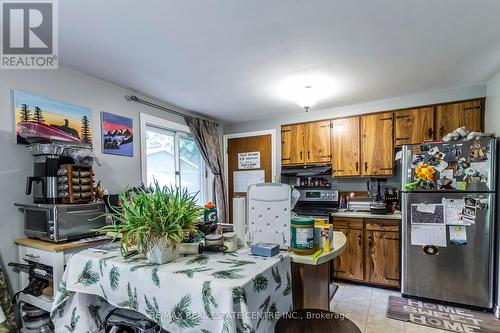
(155, 220)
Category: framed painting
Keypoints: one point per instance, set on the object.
(41, 119)
(117, 135)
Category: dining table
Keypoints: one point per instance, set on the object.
(208, 292)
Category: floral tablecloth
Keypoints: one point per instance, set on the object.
(200, 293)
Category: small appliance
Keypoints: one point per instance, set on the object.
(377, 205)
(60, 223)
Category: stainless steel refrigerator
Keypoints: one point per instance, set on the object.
(461, 268)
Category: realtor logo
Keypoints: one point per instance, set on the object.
(29, 34)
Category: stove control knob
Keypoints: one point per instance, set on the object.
(51, 236)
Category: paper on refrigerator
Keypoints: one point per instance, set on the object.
(458, 235)
(428, 235)
(453, 212)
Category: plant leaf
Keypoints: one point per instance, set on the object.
(276, 278)
(182, 316)
(239, 295)
(154, 277)
(88, 277)
(114, 278)
(228, 274)
(260, 283)
(208, 299)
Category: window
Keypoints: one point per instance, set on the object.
(171, 157)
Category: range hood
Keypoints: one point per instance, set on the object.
(306, 170)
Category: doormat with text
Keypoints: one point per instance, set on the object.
(440, 316)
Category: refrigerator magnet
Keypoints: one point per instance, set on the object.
(430, 250)
(458, 235)
(477, 152)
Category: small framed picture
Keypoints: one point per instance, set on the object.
(117, 135)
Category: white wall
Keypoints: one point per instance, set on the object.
(16, 163)
(493, 105)
(380, 105)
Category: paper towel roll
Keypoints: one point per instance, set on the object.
(239, 218)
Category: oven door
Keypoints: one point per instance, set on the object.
(37, 222)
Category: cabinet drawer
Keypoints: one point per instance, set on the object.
(382, 225)
(349, 223)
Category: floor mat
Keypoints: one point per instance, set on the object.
(441, 316)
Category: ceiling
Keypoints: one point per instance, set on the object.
(231, 59)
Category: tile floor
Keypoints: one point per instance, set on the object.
(366, 307)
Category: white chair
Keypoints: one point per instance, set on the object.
(268, 214)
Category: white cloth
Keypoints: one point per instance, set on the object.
(207, 293)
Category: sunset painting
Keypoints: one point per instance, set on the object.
(117, 135)
(41, 119)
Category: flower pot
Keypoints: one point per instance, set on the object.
(162, 252)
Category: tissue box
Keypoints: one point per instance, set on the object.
(323, 236)
(265, 249)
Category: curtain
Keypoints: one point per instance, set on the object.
(206, 135)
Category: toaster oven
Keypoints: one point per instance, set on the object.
(61, 222)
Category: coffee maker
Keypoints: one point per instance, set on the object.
(43, 183)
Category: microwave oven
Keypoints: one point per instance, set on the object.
(62, 222)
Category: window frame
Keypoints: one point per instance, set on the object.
(178, 130)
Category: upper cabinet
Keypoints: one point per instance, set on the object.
(451, 116)
(364, 145)
(413, 126)
(345, 147)
(305, 143)
(292, 144)
(377, 145)
(317, 142)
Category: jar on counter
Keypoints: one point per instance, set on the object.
(230, 241)
(302, 235)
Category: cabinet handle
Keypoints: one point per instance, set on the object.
(441, 130)
(384, 119)
(359, 240)
(300, 155)
(399, 117)
(357, 166)
(329, 156)
(430, 133)
(402, 138)
(286, 159)
(308, 155)
(390, 279)
(366, 166)
(390, 238)
(370, 241)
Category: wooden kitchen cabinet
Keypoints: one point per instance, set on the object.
(451, 116)
(349, 265)
(345, 139)
(413, 126)
(292, 144)
(372, 253)
(317, 141)
(377, 145)
(382, 257)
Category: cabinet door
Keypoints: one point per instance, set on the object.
(377, 145)
(349, 265)
(382, 257)
(292, 144)
(414, 126)
(449, 117)
(317, 142)
(345, 147)
(473, 116)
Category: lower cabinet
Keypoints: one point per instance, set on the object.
(372, 253)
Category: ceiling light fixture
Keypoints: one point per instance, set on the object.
(306, 97)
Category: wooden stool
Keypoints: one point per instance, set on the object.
(315, 321)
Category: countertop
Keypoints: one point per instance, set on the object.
(339, 243)
(54, 247)
(367, 215)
